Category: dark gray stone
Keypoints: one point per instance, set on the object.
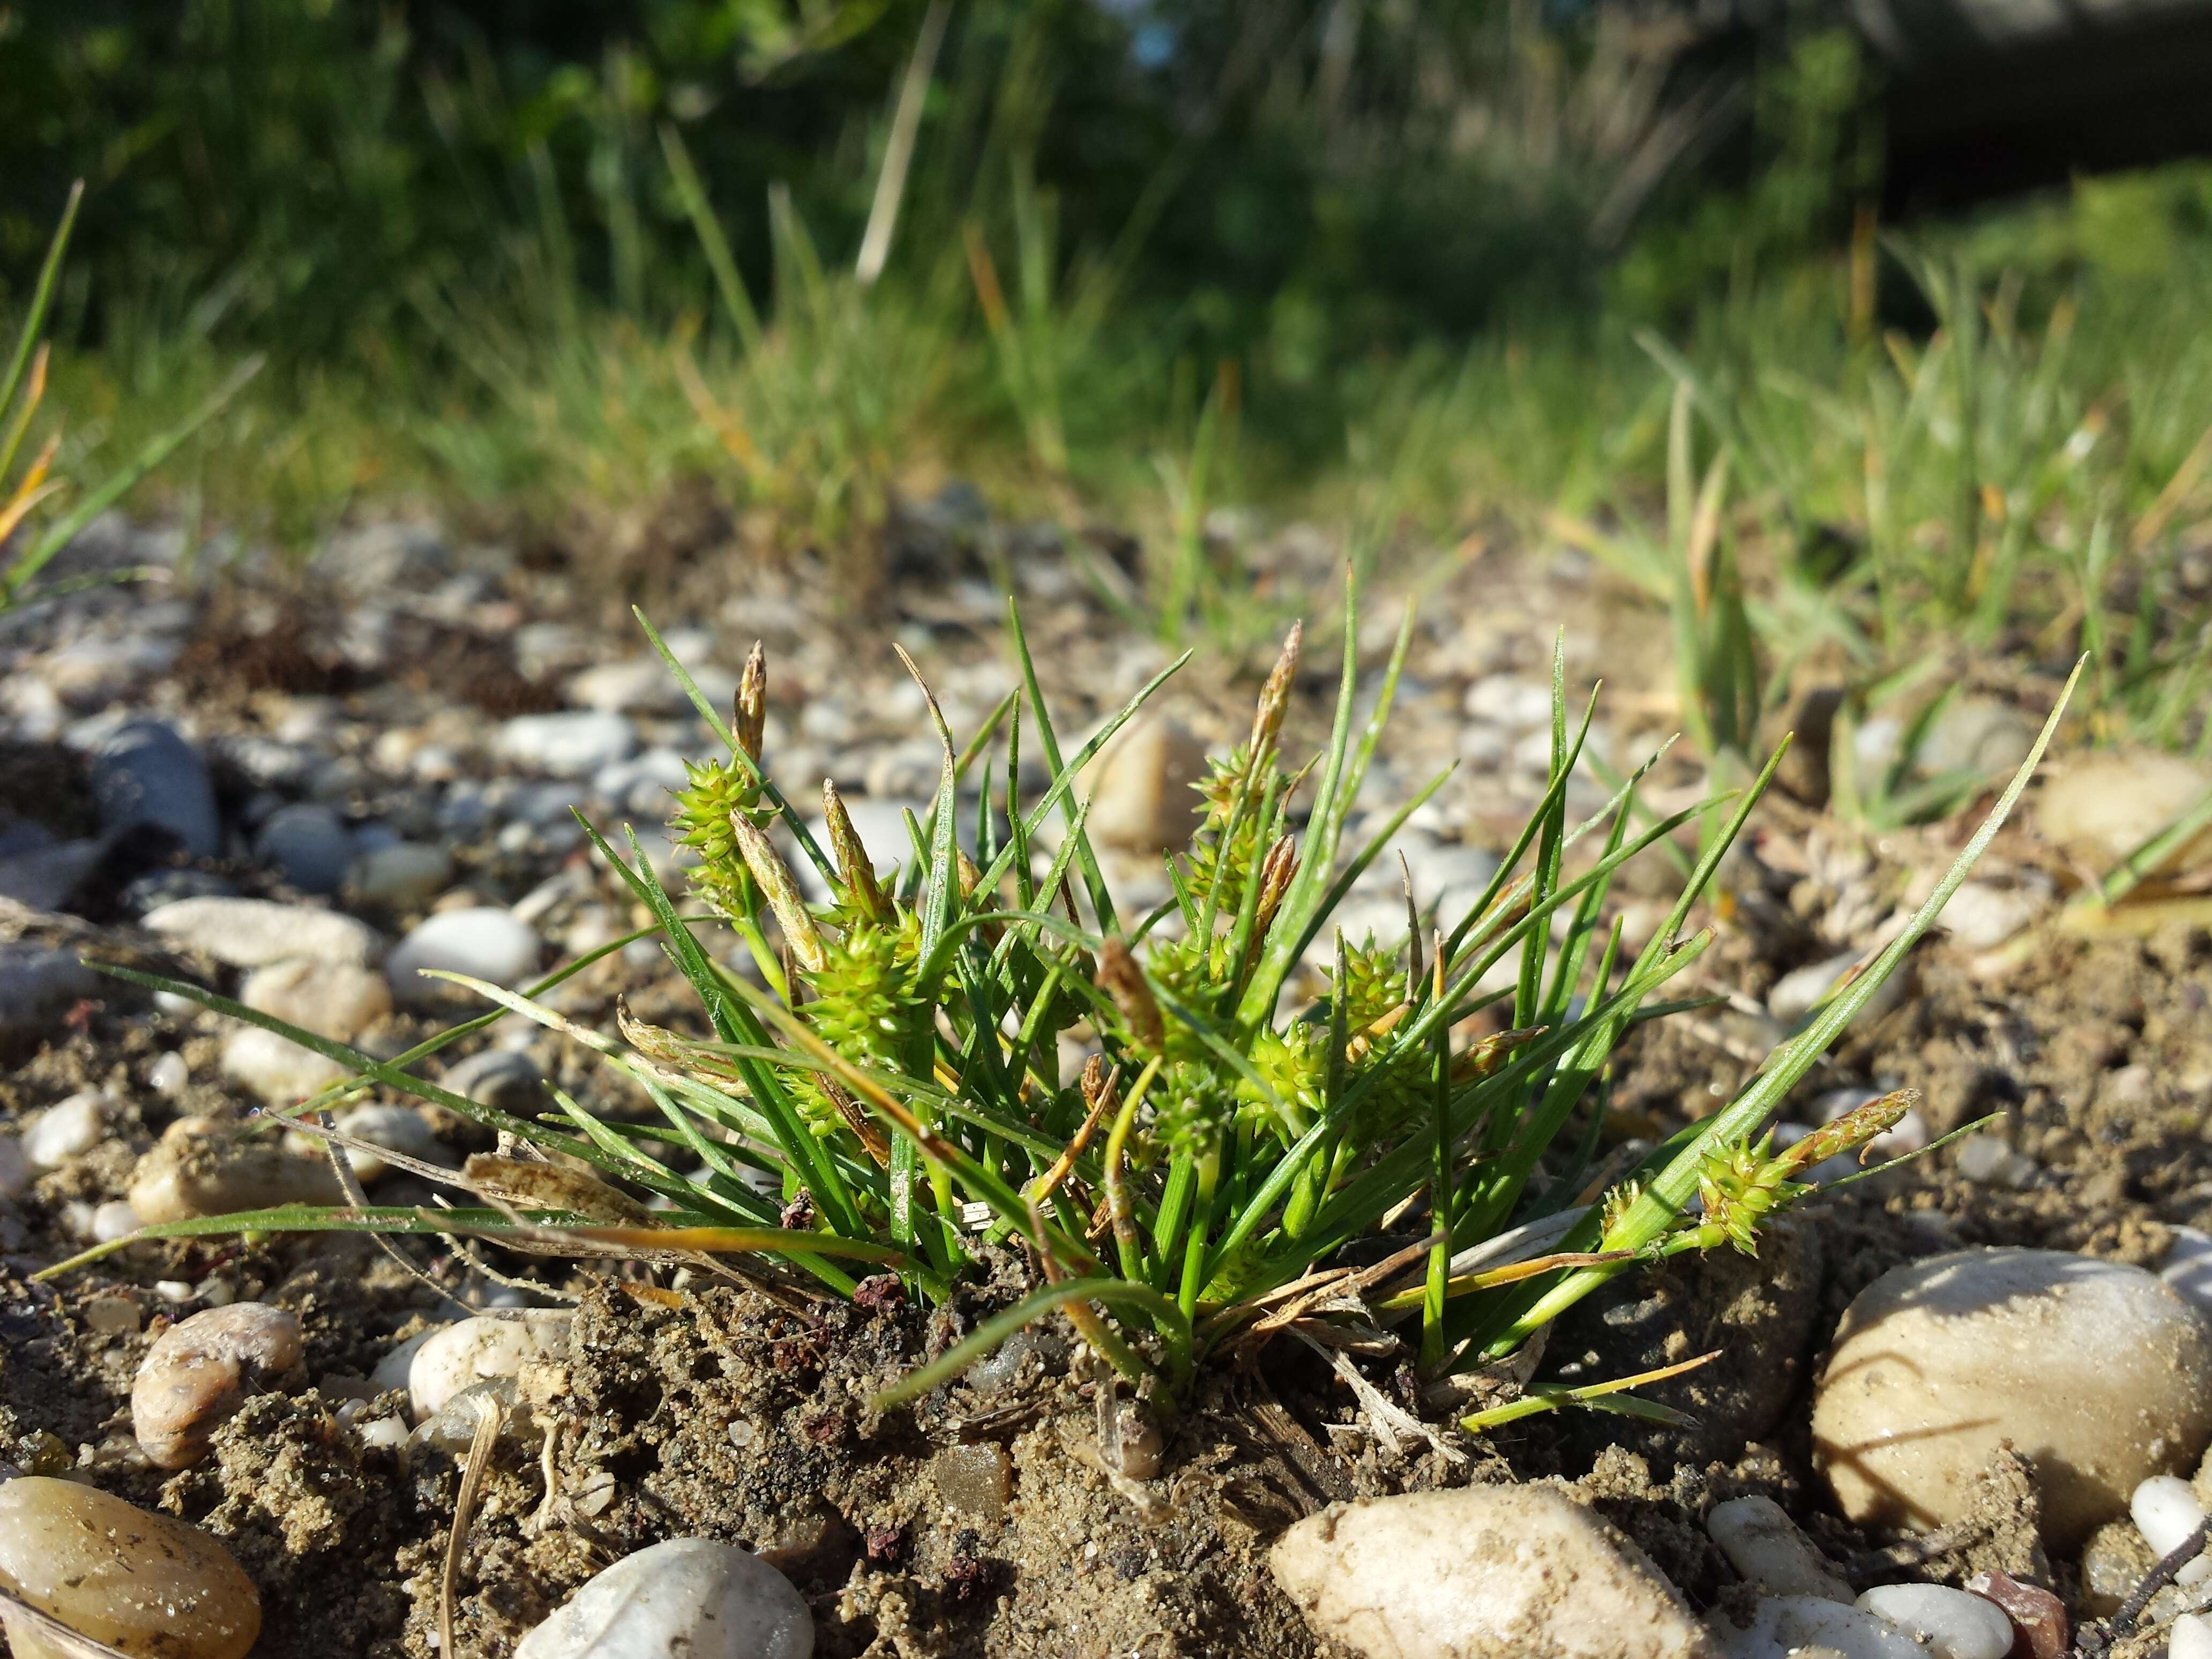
(145, 772)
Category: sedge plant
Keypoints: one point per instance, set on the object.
(1271, 1115)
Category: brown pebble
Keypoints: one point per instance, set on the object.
(2040, 1626)
(977, 1478)
(200, 1371)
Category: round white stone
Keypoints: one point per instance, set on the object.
(2166, 1511)
(65, 1130)
(689, 1598)
(334, 999)
(484, 943)
(474, 1349)
(1955, 1624)
(2095, 1371)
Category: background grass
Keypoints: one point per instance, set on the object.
(1409, 274)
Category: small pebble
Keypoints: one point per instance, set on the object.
(395, 1129)
(112, 1316)
(146, 773)
(2165, 1512)
(1791, 1625)
(201, 1369)
(334, 999)
(481, 942)
(2093, 1370)
(501, 1077)
(2189, 1637)
(1954, 1625)
(112, 1220)
(170, 1075)
(277, 1069)
(689, 1598)
(383, 1433)
(67, 1129)
(570, 745)
(1763, 1544)
(473, 1349)
(1985, 1160)
(142, 1583)
(308, 846)
(16, 1173)
(253, 932)
(403, 876)
(2040, 1626)
(1139, 786)
(976, 1478)
(200, 1168)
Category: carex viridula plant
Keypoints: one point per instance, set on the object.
(876, 1085)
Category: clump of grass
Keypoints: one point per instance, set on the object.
(27, 504)
(883, 1089)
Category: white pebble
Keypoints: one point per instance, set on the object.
(2191, 1637)
(2165, 1512)
(689, 1597)
(1763, 1544)
(168, 1075)
(1955, 1624)
(65, 1130)
(383, 1433)
(1784, 1624)
(112, 1220)
(253, 932)
(477, 1348)
(275, 1068)
(483, 943)
(570, 745)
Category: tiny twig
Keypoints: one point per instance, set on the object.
(2095, 1639)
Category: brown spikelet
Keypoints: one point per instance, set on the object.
(1849, 1132)
(782, 892)
(1275, 695)
(750, 714)
(1120, 978)
(853, 867)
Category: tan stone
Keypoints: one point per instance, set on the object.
(2094, 1370)
(199, 1371)
(201, 1168)
(1482, 1572)
(1140, 786)
(142, 1583)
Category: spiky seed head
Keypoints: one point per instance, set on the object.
(1275, 695)
(751, 710)
(855, 868)
(774, 877)
(1120, 978)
